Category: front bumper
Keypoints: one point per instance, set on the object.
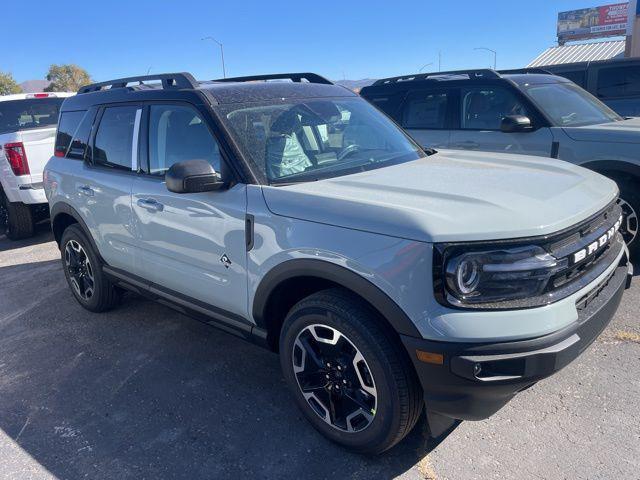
(472, 381)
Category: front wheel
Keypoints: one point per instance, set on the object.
(349, 373)
(629, 201)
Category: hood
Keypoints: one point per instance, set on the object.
(452, 196)
(626, 131)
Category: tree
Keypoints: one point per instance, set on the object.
(66, 78)
(8, 85)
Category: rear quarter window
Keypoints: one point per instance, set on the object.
(426, 110)
(69, 123)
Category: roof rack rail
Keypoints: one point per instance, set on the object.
(294, 77)
(168, 80)
(472, 74)
(514, 71)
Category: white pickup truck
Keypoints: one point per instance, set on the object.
(28, 124)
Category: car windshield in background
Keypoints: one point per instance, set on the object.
(317, 138)
(30, 113)
(568, 105)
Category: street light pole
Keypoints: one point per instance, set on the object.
(224, 70)
(495, 55)
(425, 66)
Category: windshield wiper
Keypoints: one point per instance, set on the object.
(429, 151)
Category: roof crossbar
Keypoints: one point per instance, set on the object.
(168, 81)
(472, 74)
(294, 77)
(515, 71)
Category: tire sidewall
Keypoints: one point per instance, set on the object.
(385, 420)
(75, 233)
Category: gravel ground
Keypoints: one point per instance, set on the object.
(146, 393)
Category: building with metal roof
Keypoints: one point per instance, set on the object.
(583, 52)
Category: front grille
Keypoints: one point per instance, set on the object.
(565, 245)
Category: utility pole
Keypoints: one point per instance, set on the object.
(439, 61)
(495, 55)
(632, 44)
(224, 70)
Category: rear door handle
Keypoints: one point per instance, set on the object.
(86, 190)
(150, 204)
(469, 145)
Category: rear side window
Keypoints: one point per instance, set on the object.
(69, 123)
(425, 110)
(114, 138)
(80, 140)
(619, 81)
(30, 113)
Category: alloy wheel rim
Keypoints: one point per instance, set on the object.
(79, 269)
(629, 227)
(334, 378)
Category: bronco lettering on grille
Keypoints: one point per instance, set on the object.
(598, 244)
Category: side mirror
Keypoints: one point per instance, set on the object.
(192, 176)
(516, 123)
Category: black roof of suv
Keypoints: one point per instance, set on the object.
(183, 86)
(389, 94)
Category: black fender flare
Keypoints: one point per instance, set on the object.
(65, 208)
(613, 166)
(339, 275)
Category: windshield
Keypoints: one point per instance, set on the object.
(568, 105)
(305, 140)
(30, 113)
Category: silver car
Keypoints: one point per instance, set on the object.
(526, 112)
(296, 215)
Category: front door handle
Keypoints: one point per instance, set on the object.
(150, 204)
(86, 190)
(468, 145)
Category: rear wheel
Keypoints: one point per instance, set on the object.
(83, 271)
(18, 219)
(349, 374)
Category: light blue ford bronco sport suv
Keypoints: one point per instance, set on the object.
(291, 212)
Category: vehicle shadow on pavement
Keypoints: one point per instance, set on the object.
(144, 392)
(43, 234)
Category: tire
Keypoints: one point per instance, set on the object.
(380, 375)
(83, 271)
(19, 219)
(630, 203)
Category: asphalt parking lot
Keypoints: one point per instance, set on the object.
(143, 392)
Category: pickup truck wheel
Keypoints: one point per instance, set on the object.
(18, 219)
(83, 271)
(350, 377)
(630, 202)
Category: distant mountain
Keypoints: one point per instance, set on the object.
(356, 85)
(32, 86)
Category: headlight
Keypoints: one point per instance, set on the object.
(474, 278)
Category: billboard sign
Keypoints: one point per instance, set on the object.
(596, 22)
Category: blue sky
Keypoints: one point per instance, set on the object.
(334, 38)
